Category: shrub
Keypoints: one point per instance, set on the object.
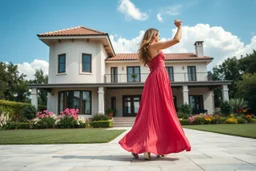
(222, 120)
(16, 107)
(238, 105)
(226, 108)
(182, 115)
(44, 119)
(23, 125)
(231, 121)
(3, 109)
(4, 120)
(101, 124)
(216, 119)
(248, 117)
(18, 118)
(69, 119)
(205, 119)
(199, 119)
(253, 120)
(67, 122)
(29, 112)
(241, 120)
(183, 121)
(99, 117)
(186, 109)
(191, 120)
(46, 122)
(12, 125)
(82, 122)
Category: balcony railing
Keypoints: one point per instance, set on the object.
(175, 77)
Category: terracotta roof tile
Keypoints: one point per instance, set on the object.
(169, 57)
(75, 31)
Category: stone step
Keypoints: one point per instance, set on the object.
(123, 125)
(123, 121)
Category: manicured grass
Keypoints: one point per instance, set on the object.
(243, 130)
(58, 136)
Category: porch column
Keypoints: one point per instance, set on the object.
(34, 97)
(101, 100)
(213, 104)
(225, 96)
(185, 94)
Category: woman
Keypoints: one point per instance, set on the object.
(157, 128)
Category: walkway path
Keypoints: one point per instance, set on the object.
(210, 151)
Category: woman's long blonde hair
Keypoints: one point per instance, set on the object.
(143, 53)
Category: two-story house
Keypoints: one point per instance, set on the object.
(86, 73)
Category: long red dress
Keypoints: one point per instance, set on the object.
(156, 128)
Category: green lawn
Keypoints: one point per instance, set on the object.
(58, 136)
(243, 130)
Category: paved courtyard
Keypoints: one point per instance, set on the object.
(210, 151)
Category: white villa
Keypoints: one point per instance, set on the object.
(86, 73)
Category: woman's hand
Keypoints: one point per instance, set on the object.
(178, 23)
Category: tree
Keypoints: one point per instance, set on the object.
(12, 84)
(247, 89)
(247, 64)
(40, 78)
(3, 80)
(228, 70)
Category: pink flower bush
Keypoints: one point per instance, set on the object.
(191, 120)
(70, 112)
(66, 119)
(45, 114)
(201, 119)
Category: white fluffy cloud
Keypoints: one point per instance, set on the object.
(159, 18)
(171, 10)
(218, 43)
(123, 45)
(131, 11)
(29, 69)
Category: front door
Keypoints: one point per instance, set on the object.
(131, 105)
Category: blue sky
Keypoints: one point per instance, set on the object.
(230, 21)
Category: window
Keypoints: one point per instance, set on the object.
(86, 63)
(131, 105)
(191, 73)
(133, 74)
(170, 73)
(114, 75)
(196, 103)
(76, 99)
(62, 63)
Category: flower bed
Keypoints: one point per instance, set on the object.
(217, 119)
(68, 118)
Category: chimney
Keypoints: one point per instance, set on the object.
(199, 48)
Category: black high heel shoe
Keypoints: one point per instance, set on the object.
(136, 156)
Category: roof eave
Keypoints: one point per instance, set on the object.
(46, 39)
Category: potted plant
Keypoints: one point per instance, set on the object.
(134, 76)
(110, 112)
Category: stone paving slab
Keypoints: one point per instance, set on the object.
(210, 152)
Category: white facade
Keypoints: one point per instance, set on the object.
(74, 50)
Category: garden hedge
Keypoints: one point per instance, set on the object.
(101, 124)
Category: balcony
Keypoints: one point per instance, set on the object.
(175, 77)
